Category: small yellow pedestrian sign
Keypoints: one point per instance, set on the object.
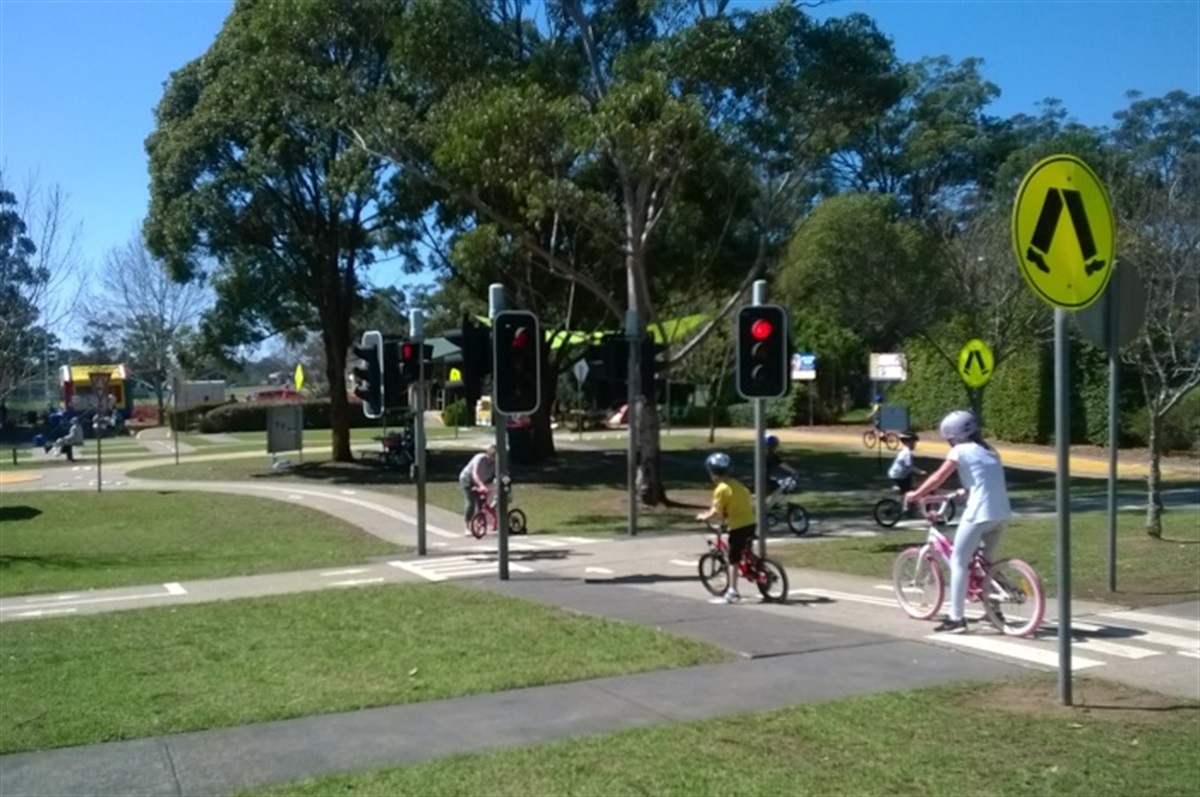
(298, 378)
(975, 363)
(1066, 258)
(455, 375)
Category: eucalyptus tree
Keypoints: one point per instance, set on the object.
(252, 168)
(1156, 192)
(599, 134)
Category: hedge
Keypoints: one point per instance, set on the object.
(251, 416)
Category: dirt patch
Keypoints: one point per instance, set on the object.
(1095, 701)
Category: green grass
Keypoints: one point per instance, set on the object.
(1149, 571)
(155, 671)
(1005, 738)
(58, 541)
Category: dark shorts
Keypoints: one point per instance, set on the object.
(739, 540)
(905, 484)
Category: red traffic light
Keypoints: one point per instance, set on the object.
(407, 351)
(761, 329)
(520, 338)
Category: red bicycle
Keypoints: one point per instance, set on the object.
(766, 573)
(485, 519)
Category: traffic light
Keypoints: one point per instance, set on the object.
(614, 351)
(411, 355)
(395, 390)
(368, 374)
(763, 352)
(517, 362)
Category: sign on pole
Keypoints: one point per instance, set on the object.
(885, 367)
(1065, 257)
(975, 363)
(298, 378)
(804, 367)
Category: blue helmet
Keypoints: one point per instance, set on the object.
(770, 440)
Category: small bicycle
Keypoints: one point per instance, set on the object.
(878, 437)
(1009, 589)
(890, 511)
(766, 573)
(485, 519)
(781, 510)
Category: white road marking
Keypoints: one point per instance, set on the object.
(44, 612)
(354, 571)
(596, 570)
(1014, 650)
(1195, 654)
(175, 588)
(354, 582)
(114, 599)
(834, 594)
(1178, 623)
(1095, 645)
(444, 568)
(685, 562)
(50, 599)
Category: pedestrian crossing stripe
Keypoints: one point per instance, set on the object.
(1149, 618)
(1012, 650)
(446, 568)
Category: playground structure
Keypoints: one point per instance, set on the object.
(77, 393)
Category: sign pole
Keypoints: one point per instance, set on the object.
(1114, 378)
(1062, 444)
(175, 416)
(416, 330)
(495, 307)
(759, 298)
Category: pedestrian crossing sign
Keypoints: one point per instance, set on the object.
(1065, 257)
(975, 363)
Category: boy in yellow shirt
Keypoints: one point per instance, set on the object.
(733, 504)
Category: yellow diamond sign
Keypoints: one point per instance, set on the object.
(298, 378)
(1063, 232)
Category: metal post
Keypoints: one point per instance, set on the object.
(1062, 444)
(758, 298)
(416, 331)
(633, 335)
(496, 306)
(175, 417)
(99, 437)
(1114, 379)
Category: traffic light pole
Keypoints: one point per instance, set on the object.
(632, 414)
(495, 307)
(759, 297)
(416, 331)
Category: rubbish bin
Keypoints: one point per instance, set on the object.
(520, 445)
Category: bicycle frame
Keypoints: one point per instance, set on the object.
(943, 546)
(748, 564)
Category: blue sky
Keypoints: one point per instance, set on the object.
(79, 79)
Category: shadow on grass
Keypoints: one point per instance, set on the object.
(22, 512)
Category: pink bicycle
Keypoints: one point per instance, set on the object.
(485, 519)
(1009, 589)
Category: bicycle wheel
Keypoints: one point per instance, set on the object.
(516, 521)
(772, 580)
(949, 510)
(479, 525)
(772, 519)
(797, 519)
(713, 573)
(891, 441)
(1013, 597)
(888, 512)
(918, 584)
(870, 439)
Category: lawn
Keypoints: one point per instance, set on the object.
(79, 680)
(59, 541)
(1149, 571)
(1003, 738)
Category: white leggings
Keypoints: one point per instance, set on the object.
(966, 540)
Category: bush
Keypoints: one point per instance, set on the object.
(189, 419)
(251, 416)
(1180, 428)
(700, 417)
(458, 414)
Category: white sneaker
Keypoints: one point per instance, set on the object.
(729, 597)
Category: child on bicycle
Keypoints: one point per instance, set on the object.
(987, 512)
(474, 480)
(775, 465)
(733, 505)
(902, 468)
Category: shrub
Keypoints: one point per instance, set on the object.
(458, 414)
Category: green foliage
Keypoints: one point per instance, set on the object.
(1180, 430)
(188, 419)
(21, 341)
(457, 414)
(251, 416)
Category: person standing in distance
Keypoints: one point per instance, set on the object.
(732, 503)
(988, 510)
(475, 480)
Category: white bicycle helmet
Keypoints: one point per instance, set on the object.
(959, 427)
(717, 461)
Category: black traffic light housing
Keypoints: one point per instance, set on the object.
(763, 352)
(517, 362)
(411, 356)
(474, 341)
(395, 386)
(614, 352)
(368, 374)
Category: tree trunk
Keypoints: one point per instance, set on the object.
(543, 435)
(649, 473)
(339, 403)
(1154, 505)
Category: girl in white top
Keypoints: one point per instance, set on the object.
(982, 476)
